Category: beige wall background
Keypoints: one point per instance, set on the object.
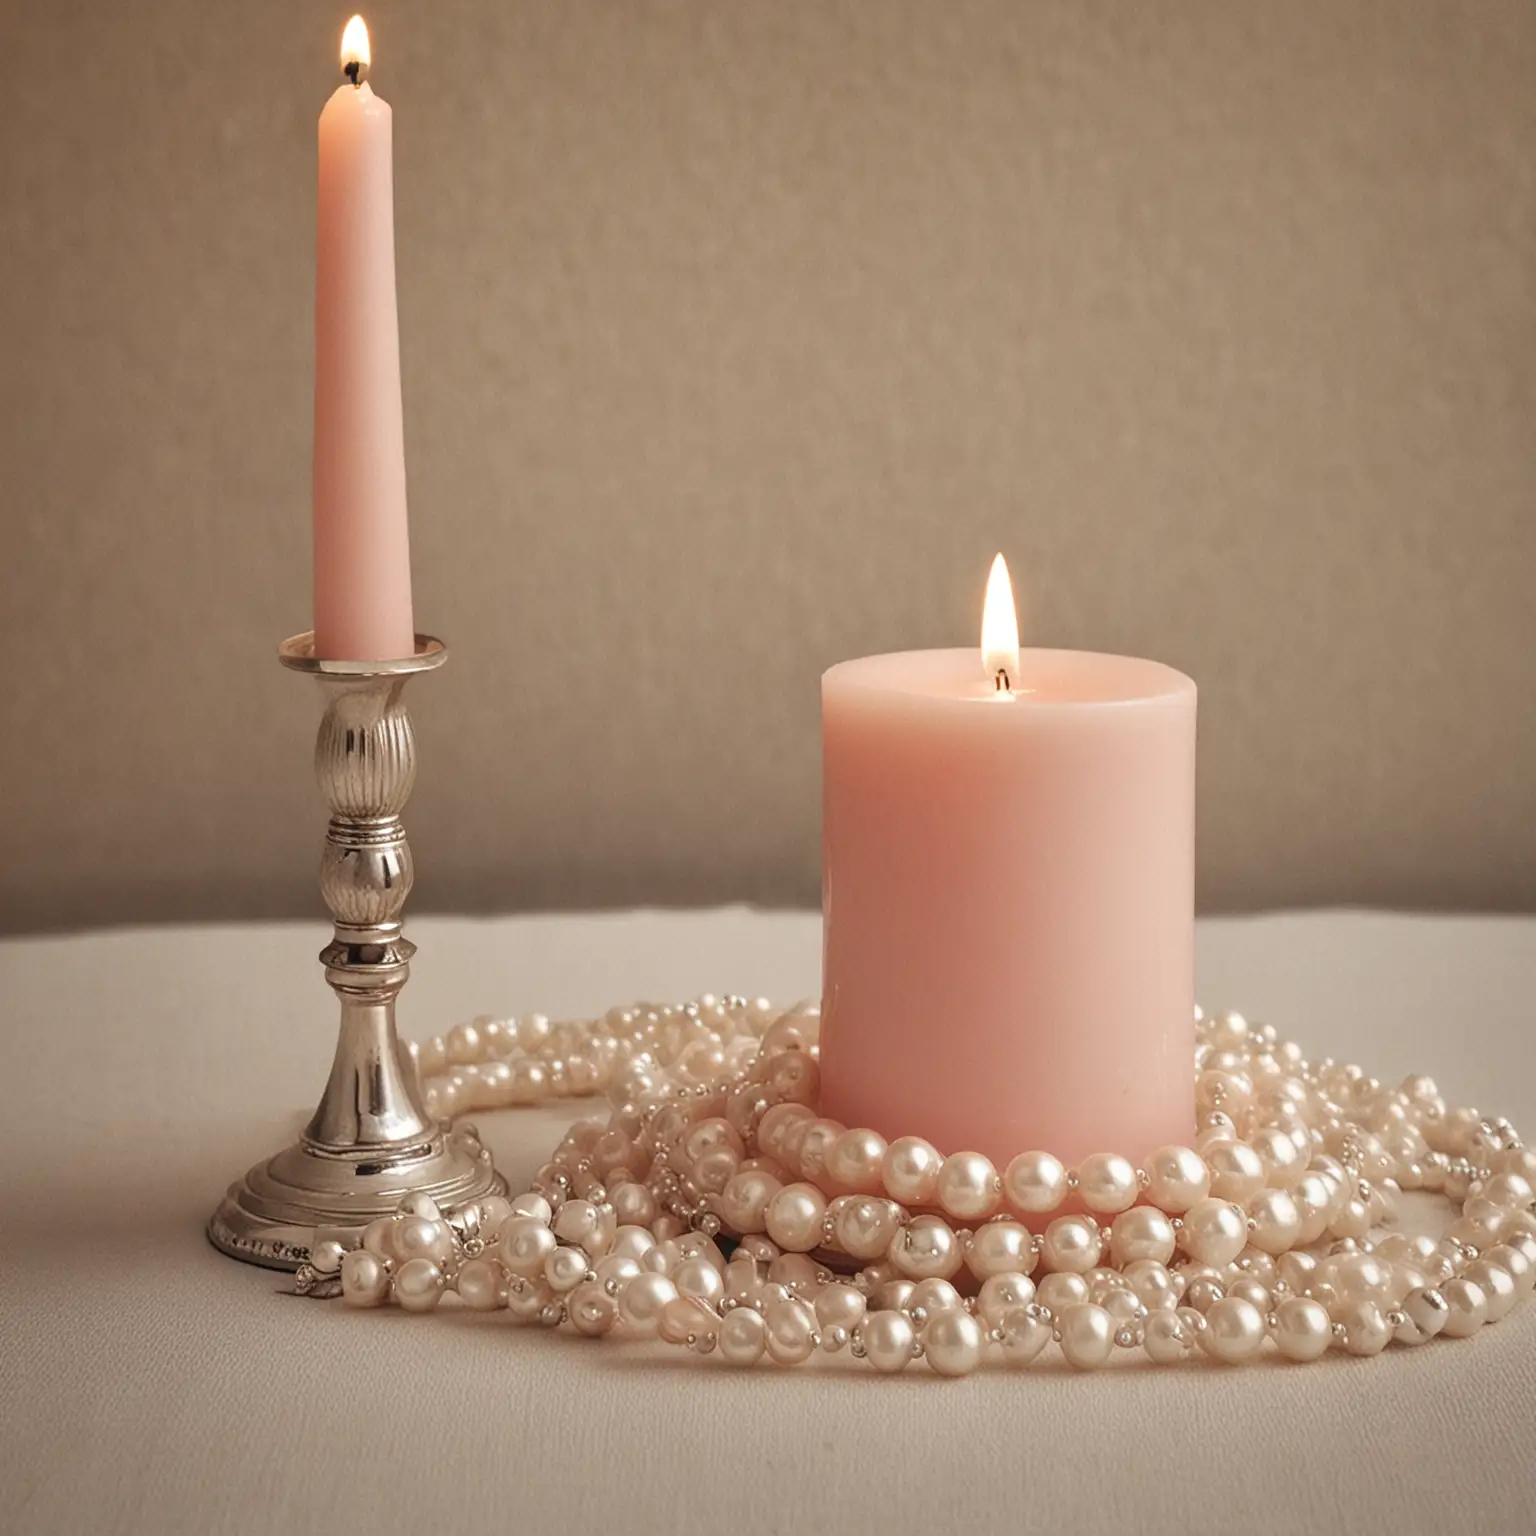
(737, 337)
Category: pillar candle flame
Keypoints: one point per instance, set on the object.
(1000, 629)
(356, 54)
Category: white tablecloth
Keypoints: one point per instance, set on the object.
(150, 1384)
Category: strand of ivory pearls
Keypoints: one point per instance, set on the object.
(1262, 1233)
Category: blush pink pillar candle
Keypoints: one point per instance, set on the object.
(1008, 883)
(362, 547)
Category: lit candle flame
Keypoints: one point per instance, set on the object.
(1000, 629)
(356, 55)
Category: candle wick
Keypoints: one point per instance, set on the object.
(1002, 681)
(355, 71)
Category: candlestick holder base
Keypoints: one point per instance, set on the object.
(371, 1141)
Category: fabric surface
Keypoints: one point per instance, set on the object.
(152, 1385)
(736, 339)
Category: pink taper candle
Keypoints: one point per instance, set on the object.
(1008, 868)
(362, 547)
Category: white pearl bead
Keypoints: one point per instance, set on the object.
(1001, 1294)
(527, 1299)
(892, 1296)
(591, 1310)
(1466, 1307)
(1087, 1335)
(793, 1076)
(1165, 1338)
(631, 1242)
(617, 1267)
(463, 1043)
(683, 1317)
(1275, 1219)
(715, 1169)
(697, 1278)
(925, 1249)
(326, 1256)
(820, 1137)
(952, 1343)
(479, 1284)
(743, 1203)
(855, 1159)
(708, 1134)
(364, 1279)
(641, 1302)
(423, 1237)
(1178, 1178)
(1283, 1164)
(1025, 1332)
(910, 1170)
(1359, 1277)
(864, 1226)
(1215, 1231)
(420, 1203)
(1121, 1302)
(968, 1186)
(1154, 1286)
(379, 1237)
(532, 1030)
(794, 1216)
(743, 1336)
(565, 1269)
(1520, 1160)
(1426, 1313)
(1143, 1232)
(1234, 1330)
(744, 1278)
(888, 1338)
(1351, 1219)
(1517, 1225)
(1235, 1169)
(1000, 1248)
(791, 1331)
(1314, 1196)
(494, 1210)
(1072, 1245)
(1303, 1329)
(795, 1031)
(1497, 1284)
(418, 1285)
(1509, 1190)
(840, 1306)
(1254, 1291)
(1061, 1290)
(773, 1129)
(1366, 1329)
(532, 1204)
(1512, 1259)
(1107, 1183)
(524, 1244)
(1035, 1181)
(589, 1226)
(933, 1296)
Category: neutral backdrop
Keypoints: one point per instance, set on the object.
(737, 338)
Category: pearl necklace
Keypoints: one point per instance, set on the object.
(1260, 1233)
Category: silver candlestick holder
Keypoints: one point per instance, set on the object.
(371, 1141)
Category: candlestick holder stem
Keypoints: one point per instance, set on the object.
(370, 1142)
